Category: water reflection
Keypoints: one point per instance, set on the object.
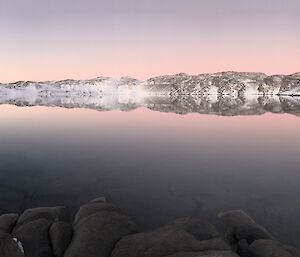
(225, 105)
(156, 165)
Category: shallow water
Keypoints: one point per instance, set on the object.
(155, 165)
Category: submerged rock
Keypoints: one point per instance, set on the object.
(97, 228)
(49, 213)
(183, 235)
(292, 250)
(94, 207)
(8, 221)
(9, 247)
(34, 236)
(60, 236)
(243, 248)
(205, 254)
(102, 229)
(241, 226)
(32, 230)
(268, 248)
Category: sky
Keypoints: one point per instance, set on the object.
(81, 39)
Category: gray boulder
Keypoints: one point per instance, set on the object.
(241, 226)
(183, 235)
(94, 207)
(268, 248)
(8, 221)
(97, 228)
(243, 248)
(205, 254)
(49, 213)
(34, 237)
(292, 250)
(8, 246)
(60, 234)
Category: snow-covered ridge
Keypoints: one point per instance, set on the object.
(216, 83)
(205, 93)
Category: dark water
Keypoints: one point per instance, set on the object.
(157, 166)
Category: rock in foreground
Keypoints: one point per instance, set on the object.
(178, 237)
(97, 229)
(101, 229)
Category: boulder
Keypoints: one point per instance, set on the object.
(34, 237)
(243, 248)
(8, 221)
(292, 250)
(9, 247)
(94, 207)
(183, 235)
(97, 228)
(205, 254)
(60, 234)
(49, 213)
(241, 226)
(268, 248)
(196, 227)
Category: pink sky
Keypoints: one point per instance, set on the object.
(141, 39)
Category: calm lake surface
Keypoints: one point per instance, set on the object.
(155, 165)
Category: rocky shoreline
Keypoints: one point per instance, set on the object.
(101, 229)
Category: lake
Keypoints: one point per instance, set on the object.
(156, 165)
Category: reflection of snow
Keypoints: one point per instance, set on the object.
(293, 91)
(292, 99)
(29, 93)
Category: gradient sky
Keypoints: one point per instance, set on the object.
(57, 39)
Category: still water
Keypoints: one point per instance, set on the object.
(155, 165)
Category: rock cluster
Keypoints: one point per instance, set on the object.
(252, 240)
(101, 229)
